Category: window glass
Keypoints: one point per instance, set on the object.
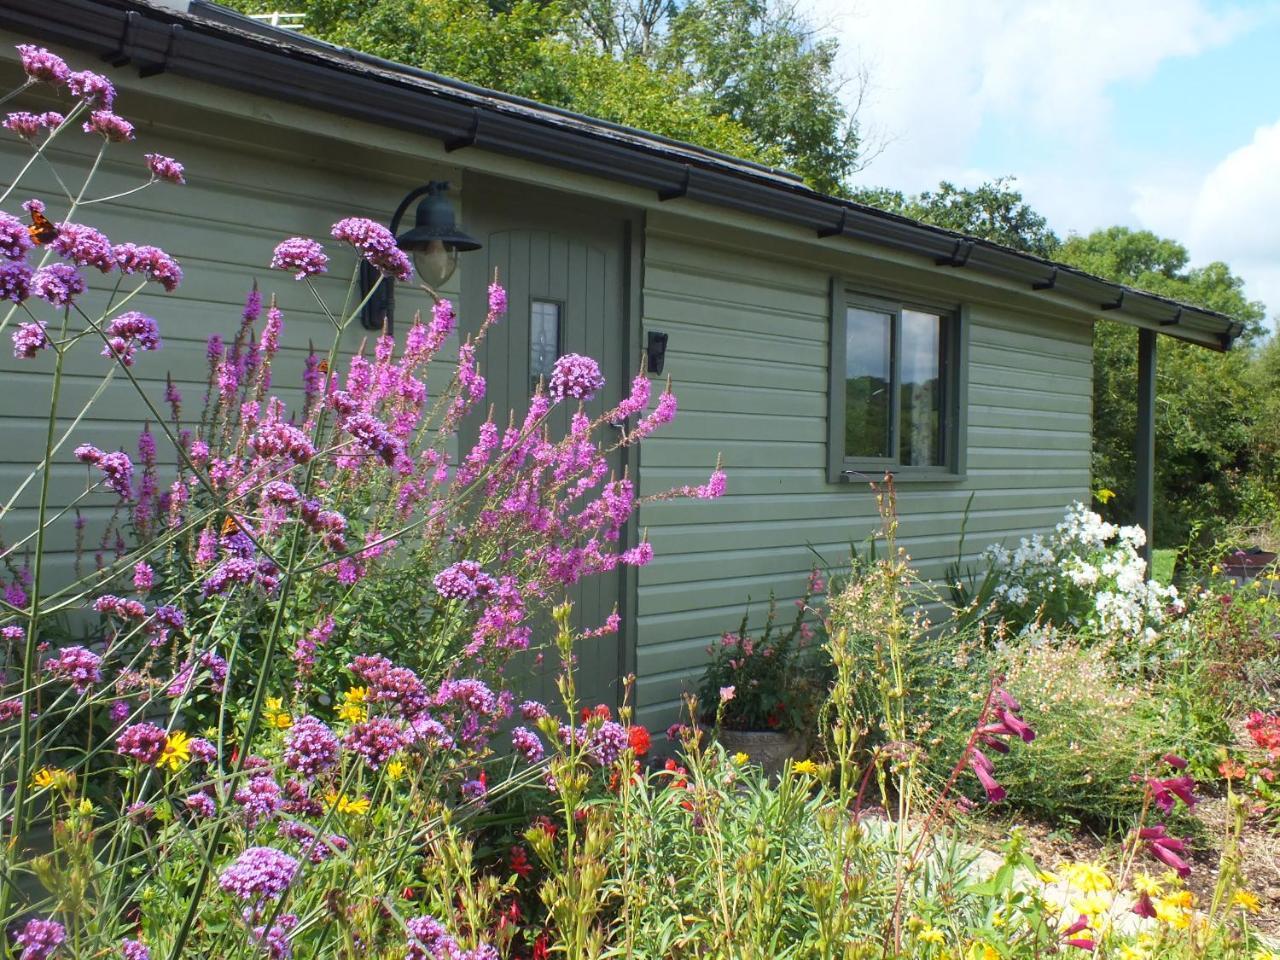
(920, 391)
(868, 373)
(544, 339)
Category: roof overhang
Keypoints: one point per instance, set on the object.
(214, 45)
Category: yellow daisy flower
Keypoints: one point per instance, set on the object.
(804, 766)
(1145, 883)
(395, 770)
(47, 777)
(932, 935)
(1246, 901)
(352, 708)
(277, 716)
(740, 758)
(344, 804)
(177, 751)
(1086, 877)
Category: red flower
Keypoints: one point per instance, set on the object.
(639, 739)
(1231, 770)
(1144, 907)
(1165, 848)
(598, 712)
(1264, 728)
(541, 950)
(519, 862)
(546, 826)
(1069, 935)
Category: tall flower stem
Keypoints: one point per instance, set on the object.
(19, 816)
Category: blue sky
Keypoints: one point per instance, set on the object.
(1163, 115)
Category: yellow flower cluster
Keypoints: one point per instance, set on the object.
(353, 709)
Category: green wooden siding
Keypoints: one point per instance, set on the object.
(241, 199)
(748, 355)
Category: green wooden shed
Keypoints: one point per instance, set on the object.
(814, 343)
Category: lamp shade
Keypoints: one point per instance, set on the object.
(435, 240)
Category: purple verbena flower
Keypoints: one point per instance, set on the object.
(575, 377)
(15, 280)
(259, 874)
(129, 332)
(41, 65)
(150, 261)
(29, 339)
(259, 800)
(40, 938)
(464, 580)
(76, 665)
(165, 168)
(134, 950)
(304, 256)
(144, 742)
(59, 283)
(84, 246)
(310, 747)
(375, 739)
(15, 239)
(528, 744)
(376, 244)
(202, 805)
(94, 87)
(115, 128)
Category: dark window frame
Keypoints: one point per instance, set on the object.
(954, 412)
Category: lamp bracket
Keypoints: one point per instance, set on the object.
(1115, 304)
(1174, 320)
(672, 193)
(963, 244)
(1047, 284)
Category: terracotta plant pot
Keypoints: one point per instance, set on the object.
(766, 748)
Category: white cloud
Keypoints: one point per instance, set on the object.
(939, 69)
(942, 75)
(1232, 213)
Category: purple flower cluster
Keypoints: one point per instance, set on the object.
(314, 847)
(40, 938)
(275, 942)
(310, 747)
(575, 377)
(607, 743)
(304, 256)
(58, 283)
(202, 750)
(259, 800)
(29, 339)
(165, 168)
(128, 333)
(464, 580)
(116, 467)
(76, 665)
(258, 874)
(428, 940)
(126, 609)
(497, 299)
(134, 950)
(376, 244)
(84, 246)
(390, 684)
(528, 744)
(114, 128)
(93, 87)
(144, 577)
(42, 66)
(202, 805)
(151, 262)
(15, 281)
(28, 125)
(276, 438)
(375, 739)
(144, 742)
(15, 240)
(373, 437)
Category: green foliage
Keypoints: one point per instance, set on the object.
(994, 211)
(744, 77)
(1205, 414)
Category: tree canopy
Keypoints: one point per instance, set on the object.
(745, 77)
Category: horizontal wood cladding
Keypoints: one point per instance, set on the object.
(748, 355)
(243, 196)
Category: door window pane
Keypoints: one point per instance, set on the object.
(544, 339)
(920, 393)
(868, 372)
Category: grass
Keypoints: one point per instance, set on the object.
(1162, 565)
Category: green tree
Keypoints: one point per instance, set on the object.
(994, 211)
(745, 77)
(1208, 469)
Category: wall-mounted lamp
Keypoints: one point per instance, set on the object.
(434, 243)
(655, 351)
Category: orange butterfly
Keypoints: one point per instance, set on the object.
(323, 367)
(229, 526)
(42, 229)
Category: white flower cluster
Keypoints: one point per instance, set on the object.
(1088, 575)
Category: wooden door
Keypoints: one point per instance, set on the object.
(563, 264)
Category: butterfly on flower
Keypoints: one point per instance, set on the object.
(230, 526)
(42, 230)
